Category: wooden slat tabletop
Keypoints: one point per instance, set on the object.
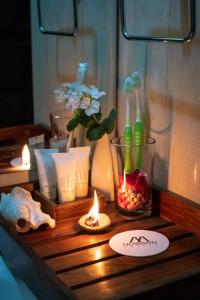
(86, 263)
(69, 257)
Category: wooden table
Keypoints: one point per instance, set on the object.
(92, 270)
(67, 263)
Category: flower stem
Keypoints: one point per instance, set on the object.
(95, 119)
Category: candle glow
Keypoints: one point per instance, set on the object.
(26, 157)
(23, 162)
(93, 214)
(94, 221)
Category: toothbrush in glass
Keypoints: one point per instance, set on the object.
(128, 135)
(138, 128)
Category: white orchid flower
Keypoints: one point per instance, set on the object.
(73, 101)
(93, 108)
(95, 93)
(72, 104)
(59, 95)
(76, 95)
(86, 90)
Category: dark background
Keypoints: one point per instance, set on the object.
(16, 98)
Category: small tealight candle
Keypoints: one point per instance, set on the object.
(94, 221)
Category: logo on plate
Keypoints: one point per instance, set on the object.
(140, 241)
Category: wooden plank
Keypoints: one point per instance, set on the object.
(29, 186)
(183, 108)
(27, 266)
(55, 58)
(7, 154)
(64, 229)
(21, 133)
(134, 283)
(181, 211)
(120, 265)
(99, 253)
(88, 240)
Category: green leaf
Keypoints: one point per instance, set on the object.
(85, 121)
(92, 123)
(98, 116)
(73, 123)
(76, 113)
(95, 133)
(95, 129)
(109, 122)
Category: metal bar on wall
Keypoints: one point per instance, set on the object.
(54, 32)
(187, 38)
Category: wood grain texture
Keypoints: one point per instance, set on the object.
(87, 240)
(116, 266)
(65, 229)
(103, 252)
(150, 60)
(170, 95)
(170, 73)
(79, 207)
(183, 90)
(87, 264)
(55, 59)
(27, 266)
(131, 284)
(181, 211)
(21, 133)
(29, 186)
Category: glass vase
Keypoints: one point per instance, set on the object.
(133, 172)
(102, 172)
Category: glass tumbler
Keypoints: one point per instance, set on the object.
(59, 134)
(133, 171)
(58, 121)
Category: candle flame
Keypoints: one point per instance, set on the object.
(26, 157)
(94, 211)
(124, 183)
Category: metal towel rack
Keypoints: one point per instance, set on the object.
(52, 32)
(187, 38)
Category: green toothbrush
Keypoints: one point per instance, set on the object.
(138, 129)
(128, 135)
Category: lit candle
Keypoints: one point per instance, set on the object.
(94, 221)
(23, 162)
(26, 158)
(93, 215)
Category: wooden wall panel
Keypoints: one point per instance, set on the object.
(184, 92)
(55, 58)
(171, 91)
(150, 59)
(170, 75)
